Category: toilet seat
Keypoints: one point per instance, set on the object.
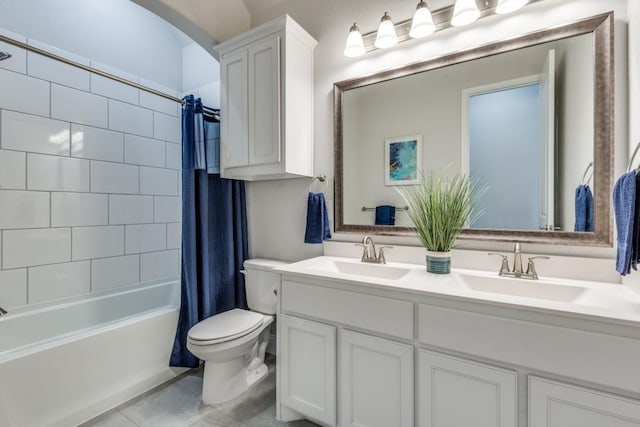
(225, 327)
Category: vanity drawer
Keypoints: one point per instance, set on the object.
(377, 314)
(572, 353)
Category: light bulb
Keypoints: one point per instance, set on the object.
(508, 6)
(355, 45)
(386, 36)
(464, 13)
(422, 23)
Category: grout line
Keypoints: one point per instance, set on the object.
(121, 413)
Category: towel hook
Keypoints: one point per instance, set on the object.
(321, 178)
(633, 156)
(586, 171)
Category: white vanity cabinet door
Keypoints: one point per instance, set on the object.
(376, 382)
(264, 108)
(455, 392)
(308, 368)
(555, 404)
(234, 135)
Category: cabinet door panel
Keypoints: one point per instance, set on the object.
(308, 361)
(376, 382)
(554, 404)
(234, 135)
(264, 109)
(455, 392)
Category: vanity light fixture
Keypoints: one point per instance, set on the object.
(422, 22)
(425, 22)
(464, 13)
(508, 6)
(386, 36)
(355, 45)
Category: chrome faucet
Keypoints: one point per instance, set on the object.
(2, 311)
(517, 271)
(369, 251)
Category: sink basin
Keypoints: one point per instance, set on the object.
(523, 288)
(361, 269)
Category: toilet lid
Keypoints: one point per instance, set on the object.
(232, 323)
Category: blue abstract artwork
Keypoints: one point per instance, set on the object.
(402, 161)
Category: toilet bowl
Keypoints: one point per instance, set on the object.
(233, 344)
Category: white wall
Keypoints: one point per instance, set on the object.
(89, 181)
(201, 75)
(573, 159)
(277, 209)
(114, 32)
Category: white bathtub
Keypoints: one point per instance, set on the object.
(63, 364)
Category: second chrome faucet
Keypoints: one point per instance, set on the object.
(369, 251)
(517, 271)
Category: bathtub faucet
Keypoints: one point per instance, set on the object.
(2, 311)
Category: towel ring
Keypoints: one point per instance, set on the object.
(321, 178)
(633, 156)
(586, 171)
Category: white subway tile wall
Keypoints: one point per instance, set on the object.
(19, 56)
(89, 180)
(156, 265)
(129, 209)
(162, 182)
(130, 118)
(35, 134)
(13, 287)
(139, 150)
(107, 273)
(145, 238)
(13, 170)
(54, 173)
(97, 144)
(49, 282)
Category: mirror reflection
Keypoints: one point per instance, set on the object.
(522, 121)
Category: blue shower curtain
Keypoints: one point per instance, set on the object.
(214, 232)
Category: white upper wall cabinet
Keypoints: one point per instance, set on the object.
(267, 103)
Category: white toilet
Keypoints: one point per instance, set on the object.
(232, 344)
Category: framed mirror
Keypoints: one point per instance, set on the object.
(531, 116)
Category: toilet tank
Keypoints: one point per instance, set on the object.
(261, 283)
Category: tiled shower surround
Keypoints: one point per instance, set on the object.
(89, 180)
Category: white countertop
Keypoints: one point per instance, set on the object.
(601, 301)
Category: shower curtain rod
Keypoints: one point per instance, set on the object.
(87, 68)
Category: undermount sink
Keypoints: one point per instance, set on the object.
(523, 288)
(361, 269)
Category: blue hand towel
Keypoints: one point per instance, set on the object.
(624, 197)
(317, 219)
(584, 209)
(385, 215)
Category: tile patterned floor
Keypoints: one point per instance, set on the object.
(178, 404)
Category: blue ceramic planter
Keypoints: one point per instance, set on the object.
(439, 262)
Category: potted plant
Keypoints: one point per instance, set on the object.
(440, 207)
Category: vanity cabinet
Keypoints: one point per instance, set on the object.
(375, 381)
(266, 123)
(556, 404)
(460, 392)
(308, 367)
(365, 354)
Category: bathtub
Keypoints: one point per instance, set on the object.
(63, 364)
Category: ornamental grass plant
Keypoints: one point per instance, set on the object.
(441, 206)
